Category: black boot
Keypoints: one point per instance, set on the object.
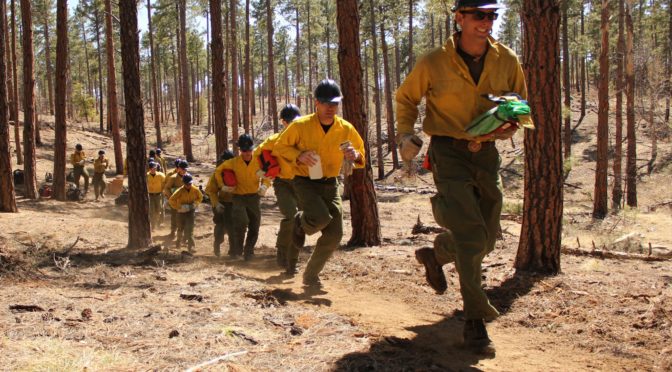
(291, 267)
(475, 334)
(280, 258)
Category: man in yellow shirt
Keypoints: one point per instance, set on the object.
(283, 184)
(185, 200)
(453, 80)
(171, 185)
(222, 205)
(155, 182)
(100, 165)
(161, 160)
(78, 161)
(312, 144)
(247, 193)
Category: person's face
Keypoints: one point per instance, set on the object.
(181, 171)
(246, 155)
(476, 22)
(326, 110)
(187, 186)
(152, 170)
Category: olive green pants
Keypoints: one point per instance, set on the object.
(223, 225)
(322, 212)
(99, 185)
(155, 201)
(246, 217)
(185, 228)
(78, 172)
(468, 204)
(286, 196)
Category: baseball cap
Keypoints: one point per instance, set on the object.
(481, 4)
(328, 91)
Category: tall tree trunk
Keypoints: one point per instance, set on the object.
(286, 75)
(253, 104)
(100, 69)
(376, 93)
(668, 64)
(600, 198)
(297, 77)
(431, 25)
(582, 58)
(185, 118)
(89, 87)
(60, 134)
(567, 108)
(208, 71)
(139, 232)
(541, 232)
(47, 55)
(653, 132)
(29, 140)
(272, 106)
(389, 113)
(617, 191)
(631, 160)
(363, 200)
(233, 50)
(411, 58)
(7, 195)
(14, 110)
(310, 56)
(248, 78)
(218, 77)
(397, 55)
(155, 94)
(112, 106)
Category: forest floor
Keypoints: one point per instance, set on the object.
(91, 304)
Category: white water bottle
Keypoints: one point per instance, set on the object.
(315, 171)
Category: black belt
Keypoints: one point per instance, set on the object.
(463, 144)
(319, 180)
(155, 193)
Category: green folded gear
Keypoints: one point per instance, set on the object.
(510, 110)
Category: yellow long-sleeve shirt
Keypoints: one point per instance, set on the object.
(162, 162)
(453, 99)
(215, 193)
(76, 157)
(155, 182)
(286, 168)
(171, 184)
(306, 133)
(100, 165)
(183, 196)
(246, 175)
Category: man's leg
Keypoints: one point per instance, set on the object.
(240, 223)
(85, 174)
(77, 174)
(287, 251)
(253, 211)
(180, 220)
(220, 229)
(331, 236)
(189, 229)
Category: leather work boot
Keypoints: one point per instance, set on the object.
(475, 335)
(299, 237)
(280, 258)
(433, 271)
(291, 268)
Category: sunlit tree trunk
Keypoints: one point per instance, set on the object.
(376, 93)
(389, 113)
(218, 78)
(363, 200)
(29, 140)
(600, 197)
(617, 190)
(112, 106)
(567, 109)
(272, 106)
(233, 53)
(631, 160)
(14, 110)
(541, 231)
(248, 78)
(7, 196)
(185, 117)
(100, 69)
(155, 94)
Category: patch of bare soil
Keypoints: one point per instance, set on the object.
(74, 297)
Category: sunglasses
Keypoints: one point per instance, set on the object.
(479, 15)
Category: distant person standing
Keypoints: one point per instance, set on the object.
(247, 193)
(319, 144)
(184, 201)
(171, 185)
(161, 160)
(454, 80)
(78, 161)
(155, 181)
(283, 184)
(222, 206)
(100, 165)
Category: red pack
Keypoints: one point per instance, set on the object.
(229, 178)
(269, 164)
(427, 164)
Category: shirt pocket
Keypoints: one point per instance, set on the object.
(499, 85)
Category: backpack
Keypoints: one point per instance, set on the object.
(48, 177)
(122, 199)
(70, 177)
(45, 191)
(269, 164)
(18, 177)
(73, 193)
(229, 178)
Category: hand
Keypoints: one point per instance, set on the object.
(228, 189)
(505, 132)
(219, 208)
(81, 162)
(350, 154)
(307, 158)
(260, 173)
(262, 190)
(409, 146)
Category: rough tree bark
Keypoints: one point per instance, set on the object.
(617, 190)
(600, 197)
(567, 108)
(14, 110)
(272, 105)
(155, 94)
(218, 77)
(541, 234)
(376, 93)
(631, 160)
(29, 140)
(233, 52)
(47, 55)
(185, 117)
(139, 233)
(248, 78)
(112, 106)
(363, 200)
(60, 141)
(389, 108)
(7, 196)
(101, 111)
